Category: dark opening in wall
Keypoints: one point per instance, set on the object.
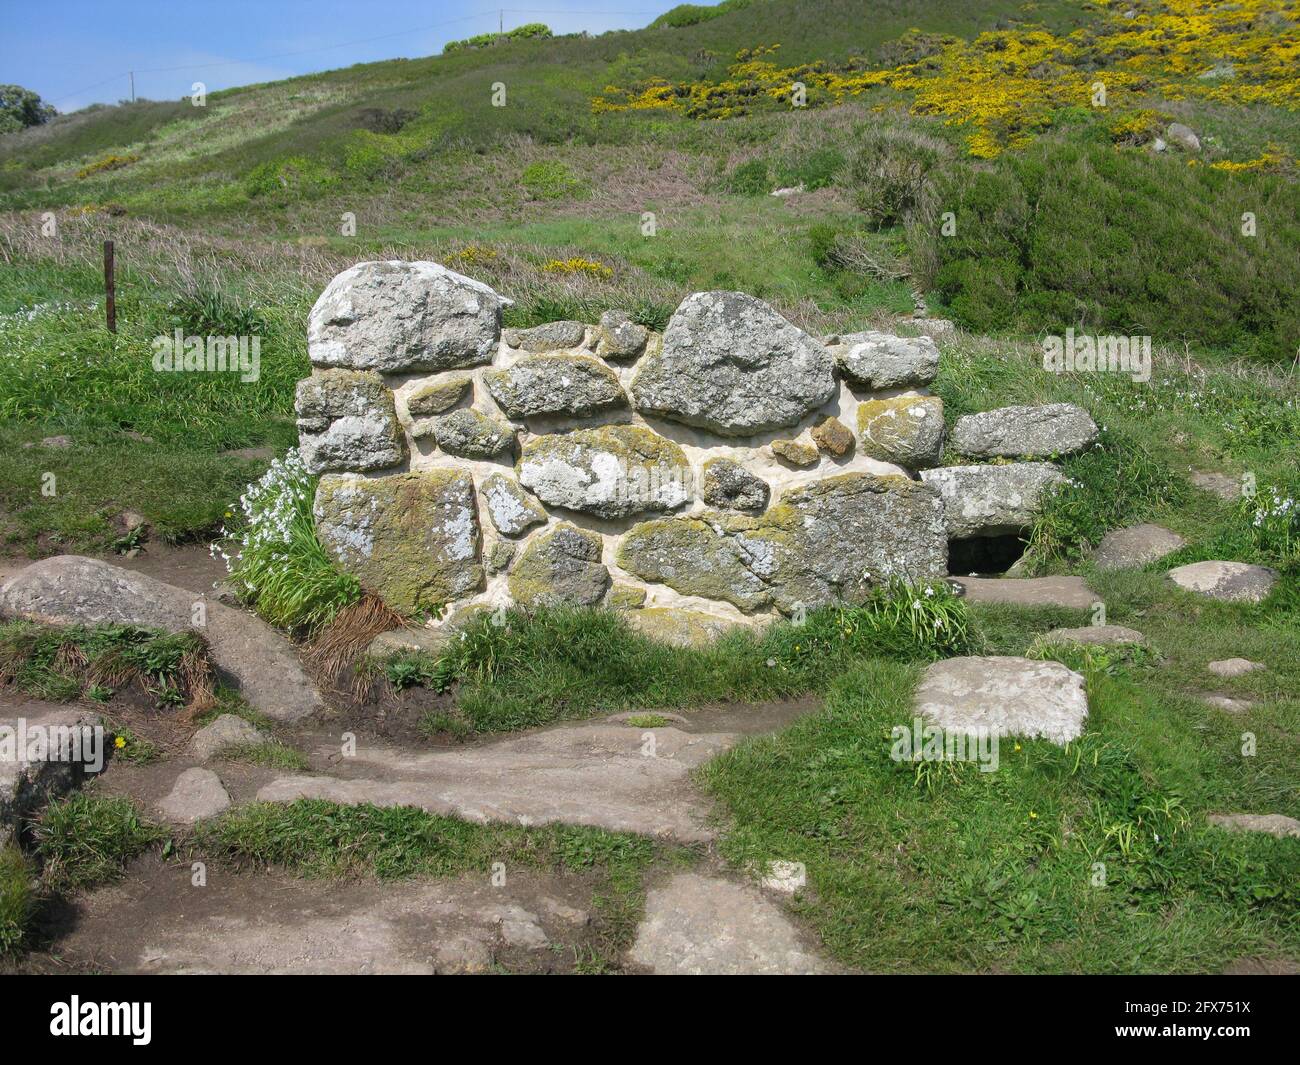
(984, 554)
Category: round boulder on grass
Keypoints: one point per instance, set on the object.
(1135, 546)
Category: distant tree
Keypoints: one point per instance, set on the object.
(20, 108)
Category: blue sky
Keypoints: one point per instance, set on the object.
(77, 52)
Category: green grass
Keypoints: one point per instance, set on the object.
(17, 898)
(274, 755)
(85, 840)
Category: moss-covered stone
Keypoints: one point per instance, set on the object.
(437, 396)
(468, 433)
(681, 628)
(412, 538)
(833, 437)
(498, 557)
(907, 430)
(795, 453)
(560, 567)
(727, 484)
(555, 385)
(624, 596)
(612, 471)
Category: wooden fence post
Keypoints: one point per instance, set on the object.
(110, 288)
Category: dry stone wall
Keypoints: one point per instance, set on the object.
(733, 466)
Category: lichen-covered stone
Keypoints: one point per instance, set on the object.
(619, 337)
(907, 430)
(398, 317)
(550, 336)
(681, 628)
(560, 567)
(729, 486)
(624, 596)
(795, 453)
(992, 500)
(822, 542)
(468, 433)
(730, 363)
(611, 471)
(437, 396)
(512, 510)
(880, 360)
(833, 437)
(555, 384)
(498, 557)
(347, 421)
(412, 538)
(1039, 431)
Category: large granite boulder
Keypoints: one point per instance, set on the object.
(347, 421)
(878, 361)
(398, 317)
(822, 542)
(992, 500)
(905, 430)
(412, 538)
(568, 385)
(611, 471)
(1025, 432)
(730, 363)
(561, 567)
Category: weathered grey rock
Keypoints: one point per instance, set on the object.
(498, 557)
(623, 596)
(1227, 581)
(1025, 432)
(1028, 591)
(560, 567)
(833, 437)
(511, 509)
(706, 926)
(551, 336)
(1234, 667)
(730, 363)
(555, 384)
(1135, 546)
(437, 396)
(70, 590)
(229, 730)
(619, 337)
(612, 471)
(796, 453)
(397, 317)
(421, 639)
(1004, 696)
(473, 435)
(197, 795)
(992, 500)
(1182, 135)
(1098, 635)
(411, 538)
(875, 360)
(906, 430)
(679, 627)
(347, 421)
(935, 328)
(816, 545)
(1227, 488)
(729, 486)
(1277, 825)
(1229, 703)
(45, 751)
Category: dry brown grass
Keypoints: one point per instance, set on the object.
(339, 643)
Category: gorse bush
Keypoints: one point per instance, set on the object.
(891, 175)
(278, 564)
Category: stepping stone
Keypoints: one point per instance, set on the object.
(1005, 696)
(197, 795)
(1219, 484)
(45, 751)
(1029, 591)
(1099, 635)
(1135, 546)
(608, 776)
(71, 590)
(1226, 581)
(250, 454)
(229, 730)
(705, 926)
(1234, 667)
(1274, 824)
(1230, 703)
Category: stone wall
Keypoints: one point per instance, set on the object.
(733, 466)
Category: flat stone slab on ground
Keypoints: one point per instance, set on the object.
(197, 795)
(1100, 635)
(706, 926)
(1135, 546)
(1222, 485)
(1274, 824)
(1007, 696)
(1233, 667)
(1231, 703)
(1227, 581)
(1029, 591)
(72, 590)
(603, 775)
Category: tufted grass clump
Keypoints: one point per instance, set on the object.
(88, 839)
(279, 565)
(17, 898)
